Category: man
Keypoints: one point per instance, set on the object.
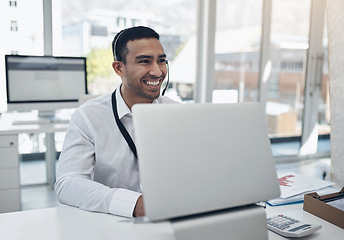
(97, 169)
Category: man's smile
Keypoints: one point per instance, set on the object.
(152, 83)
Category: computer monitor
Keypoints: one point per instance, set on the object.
(44, 83)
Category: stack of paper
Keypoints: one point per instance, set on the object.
(293, 187)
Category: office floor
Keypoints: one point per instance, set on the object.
(36, 194)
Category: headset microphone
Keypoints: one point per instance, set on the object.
(168, 78)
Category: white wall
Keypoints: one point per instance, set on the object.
(335, 17)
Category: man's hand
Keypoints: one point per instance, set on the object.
(139, 210)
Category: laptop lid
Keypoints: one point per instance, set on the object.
(196, 158)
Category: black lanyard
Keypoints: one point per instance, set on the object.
(124, 131)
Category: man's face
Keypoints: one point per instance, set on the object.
(144, 71)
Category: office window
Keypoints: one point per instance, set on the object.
(136, 22)
(177, 29)
(14, 26)
(285, 88)
(22, 32)
(237, 46)
(99, 31)
(121, 22)
(289, 44)
(13, 3)
(238, 34)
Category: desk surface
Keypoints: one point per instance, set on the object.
(327, 232)
(64, 223)
(7, 128)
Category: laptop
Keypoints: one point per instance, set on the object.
(199, 158)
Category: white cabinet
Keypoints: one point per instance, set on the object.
(9, 174)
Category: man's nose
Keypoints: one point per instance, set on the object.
(155, 70)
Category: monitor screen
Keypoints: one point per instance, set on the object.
(44, 83)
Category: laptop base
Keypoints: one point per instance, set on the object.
(239, 223)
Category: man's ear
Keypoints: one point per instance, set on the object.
(118, 66)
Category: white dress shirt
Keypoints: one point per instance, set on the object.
(97, 170)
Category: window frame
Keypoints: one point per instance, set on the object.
(205, 68)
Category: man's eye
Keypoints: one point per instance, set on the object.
(162, 60)
(144, 61)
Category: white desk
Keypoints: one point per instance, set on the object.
(64, 223)
(9, 161)
(327, 232)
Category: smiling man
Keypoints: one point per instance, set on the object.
(141, 63)
(98, 168)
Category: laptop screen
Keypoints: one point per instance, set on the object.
(196, 158)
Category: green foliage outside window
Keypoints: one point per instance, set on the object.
(99, 64)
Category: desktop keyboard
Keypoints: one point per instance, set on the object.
(40, 121)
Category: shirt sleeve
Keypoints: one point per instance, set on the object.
(75, 186)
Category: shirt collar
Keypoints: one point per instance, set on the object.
(122, 108)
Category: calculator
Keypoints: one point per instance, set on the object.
(290, 227)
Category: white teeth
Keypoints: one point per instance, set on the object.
(153, 83)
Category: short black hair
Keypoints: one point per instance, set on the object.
(119, 43)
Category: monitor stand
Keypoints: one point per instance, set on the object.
(46, 114)
(53, 117)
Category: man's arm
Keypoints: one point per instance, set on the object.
(92, 196)
(75, 185)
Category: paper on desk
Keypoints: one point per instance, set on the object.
(337, 204)
(299, 198)
(292, 184)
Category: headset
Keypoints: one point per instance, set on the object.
(168, 78)
(115, 45)
(117, 59)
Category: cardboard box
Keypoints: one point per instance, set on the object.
(318, 205)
